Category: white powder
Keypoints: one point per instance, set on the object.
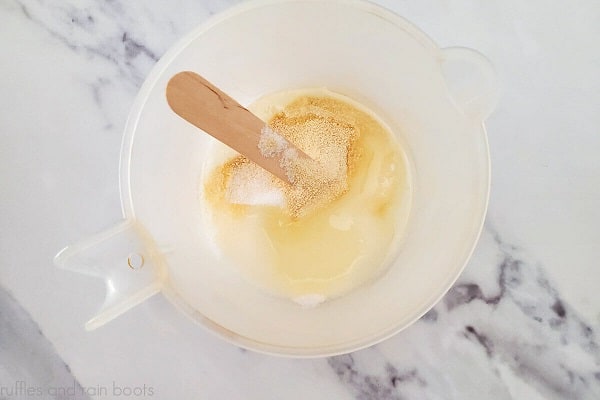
(271, 143)
(310, 300)
(252, 185)
(287, 162)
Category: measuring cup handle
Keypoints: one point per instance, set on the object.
(471, 81)
(125, 257)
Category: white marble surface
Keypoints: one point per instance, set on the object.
(522, 321)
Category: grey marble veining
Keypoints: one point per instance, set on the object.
(30, 366)
(77, 29)
(521, 327)
(117, 35)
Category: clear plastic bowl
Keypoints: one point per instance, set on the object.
(434, 100)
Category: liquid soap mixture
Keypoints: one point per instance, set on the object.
(316, 238)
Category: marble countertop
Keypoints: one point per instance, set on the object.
(522, 322)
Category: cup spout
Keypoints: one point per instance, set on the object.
(126, 258)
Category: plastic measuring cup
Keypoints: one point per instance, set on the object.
(435, 101)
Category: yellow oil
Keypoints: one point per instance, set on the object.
(337, 247)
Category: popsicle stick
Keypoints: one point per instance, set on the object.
(204, 105)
